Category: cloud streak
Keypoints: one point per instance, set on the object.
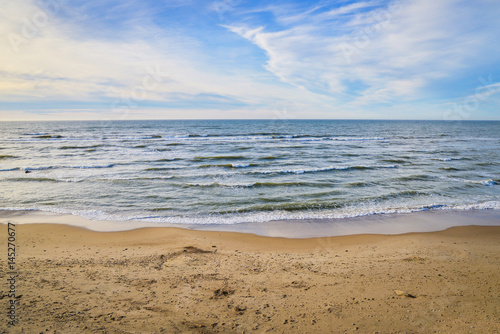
(393, 52)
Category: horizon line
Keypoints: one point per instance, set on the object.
(253, 119)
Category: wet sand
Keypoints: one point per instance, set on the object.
(171, 280)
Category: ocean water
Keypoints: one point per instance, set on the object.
(229, 172)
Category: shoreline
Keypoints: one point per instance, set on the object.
(174, 280)
(383, 224)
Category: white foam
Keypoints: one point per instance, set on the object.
(259, 217)
(393, 224)
(488, 182)
(323, 169)
(356, 138)
(448, 159)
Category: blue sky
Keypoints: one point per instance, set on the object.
(192, 59)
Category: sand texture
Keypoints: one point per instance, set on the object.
(168, 280)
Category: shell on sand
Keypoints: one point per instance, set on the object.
(403, 293)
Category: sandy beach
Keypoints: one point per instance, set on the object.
(171, 280)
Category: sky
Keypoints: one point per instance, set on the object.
(238, 59)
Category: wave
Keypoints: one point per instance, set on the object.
(393, 195)
(323, 169)
(241, 165)
(317, 138)
(290, 207)
(357, 138)
(252, 185)
(160, 168)
(59, 167)
(39, 179)
(450, 159)
(243, 216)
(425, 151)
(154, 178)
(223, 137)
(147, 137)
(321, 138)
(125, 179)
(214, 185)
(141, 137)
(395, 160)
(167, 159)
(9, 169)
(417, 177)
(450, 168)
(270, 212)
(485, 182)
(487, 163)
(79, 147)
(91, 167)
(219, 157)
(32, 179)
(228, 165)
(161, 209)
(251, 137)
(340, 210)
(433, 206)
(289, 184)
(46, 136)
(6, 157)
(489, 182)
(359, 184)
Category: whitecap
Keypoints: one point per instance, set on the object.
(449, 159)
(324, 169)
(489, 182)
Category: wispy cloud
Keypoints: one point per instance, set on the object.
(393, 52)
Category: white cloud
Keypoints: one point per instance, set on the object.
(392, 52)
(348, 9)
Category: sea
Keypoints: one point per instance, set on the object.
(229, 172)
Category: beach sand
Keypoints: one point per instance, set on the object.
(170, 280)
